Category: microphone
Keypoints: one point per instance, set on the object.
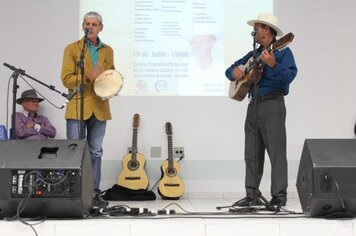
(70, 96)
(20, 71)
(253, 33)
(9, 66)
(87, 31)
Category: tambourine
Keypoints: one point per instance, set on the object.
(108, 84)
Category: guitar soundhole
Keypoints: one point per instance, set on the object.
(133, 165)
(171, 172)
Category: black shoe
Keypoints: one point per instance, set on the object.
(98, 201)
(278, 201)
(248, 201)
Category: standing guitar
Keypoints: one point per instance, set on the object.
(133, 175)
(239, 88)
(171, 185)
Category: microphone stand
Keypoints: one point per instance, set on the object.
(15, 74)
(255, 92)
(256, 192)
(80, 64)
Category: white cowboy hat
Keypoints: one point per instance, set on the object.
(267, 19)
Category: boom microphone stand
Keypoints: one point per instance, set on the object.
(257, 195)
(256, 192)
(15, 74)
(80, 64)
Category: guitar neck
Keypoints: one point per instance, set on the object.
(259, 60)
(249, 65)
(134, 145)
(272, 47)
(170, 152)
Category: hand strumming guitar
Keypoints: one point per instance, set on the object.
(237, 74)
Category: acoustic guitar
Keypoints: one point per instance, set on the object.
(171, 185)
(239, 88)
(133, 174)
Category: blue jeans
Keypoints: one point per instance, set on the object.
(95, 131)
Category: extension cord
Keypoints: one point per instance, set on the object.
(137, 211)
(164, 212)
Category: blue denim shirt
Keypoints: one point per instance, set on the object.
(273, 79)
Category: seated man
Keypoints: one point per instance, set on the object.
(29, 124)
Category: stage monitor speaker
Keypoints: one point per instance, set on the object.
(51, 178)
(326, 177)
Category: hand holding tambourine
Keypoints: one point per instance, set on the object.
(108, 84)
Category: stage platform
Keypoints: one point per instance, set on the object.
(198, 224)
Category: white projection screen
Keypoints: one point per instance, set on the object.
(176, 47)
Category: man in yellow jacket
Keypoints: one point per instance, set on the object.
(98, 58)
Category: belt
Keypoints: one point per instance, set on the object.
(270, 96)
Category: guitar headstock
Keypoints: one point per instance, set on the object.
(169, 128)
(283, 42)
(136, 120)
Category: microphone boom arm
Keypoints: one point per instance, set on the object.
(22, 72)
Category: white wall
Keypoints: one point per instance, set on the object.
(320, 103)
(34, 34)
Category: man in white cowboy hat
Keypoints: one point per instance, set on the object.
(29, 124)
(266, 113)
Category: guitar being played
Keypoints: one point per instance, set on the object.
(133, 174)
(171, 185)
(243, 74)
(265, 123)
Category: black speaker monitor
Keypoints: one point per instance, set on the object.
(326, 177)
(53, 178)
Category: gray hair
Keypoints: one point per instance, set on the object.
(93, 14)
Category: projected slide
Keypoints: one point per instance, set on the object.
(176, 47)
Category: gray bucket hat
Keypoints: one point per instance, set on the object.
(28, 94)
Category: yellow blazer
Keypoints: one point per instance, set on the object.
(71, 79)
